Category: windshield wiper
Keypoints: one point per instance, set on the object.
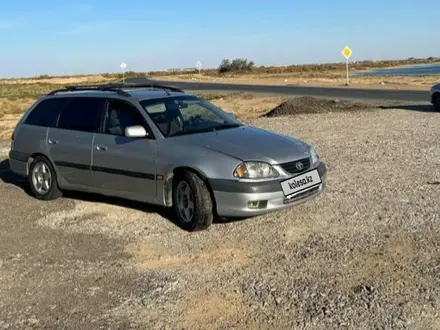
(191, 132)
(205, 130)
(216, 128)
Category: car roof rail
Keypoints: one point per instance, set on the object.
(79, 88)
(145, 85)
(115, 87)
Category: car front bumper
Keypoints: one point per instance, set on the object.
(233, 198)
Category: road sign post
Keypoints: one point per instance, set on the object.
(123, 67)
(199, 66)
(346, 52)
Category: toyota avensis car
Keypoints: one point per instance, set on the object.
(435, 96)
(160, 145)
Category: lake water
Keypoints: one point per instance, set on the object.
(416, 70)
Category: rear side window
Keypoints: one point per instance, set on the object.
(46, 112)
(82, 114)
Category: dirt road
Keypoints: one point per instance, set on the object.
(365, 255)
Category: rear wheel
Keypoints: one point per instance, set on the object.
(43, 179)
(192, 202)
(437, 102)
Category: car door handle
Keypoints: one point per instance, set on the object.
(52, 141)
(102, 148)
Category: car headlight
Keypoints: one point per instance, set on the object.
(255, 170)
(314, 158)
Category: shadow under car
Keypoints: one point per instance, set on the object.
(9, 177)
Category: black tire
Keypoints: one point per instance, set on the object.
(203, 213)
(54, 191)
(437, 102)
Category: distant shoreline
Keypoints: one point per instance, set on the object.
(403, 71)
(403, 66)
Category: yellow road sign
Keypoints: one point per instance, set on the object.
(347, 52)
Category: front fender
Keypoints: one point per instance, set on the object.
(206, 162)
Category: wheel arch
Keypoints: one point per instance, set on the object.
(54, 192)
(35, 155)
(168, 187)
(39, 154)
(435, 101)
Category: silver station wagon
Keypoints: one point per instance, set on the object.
(435, 96)
(160, 145)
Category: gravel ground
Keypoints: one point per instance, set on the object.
(364, 255)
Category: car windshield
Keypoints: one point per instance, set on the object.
(181, 115)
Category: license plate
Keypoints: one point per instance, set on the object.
(301, 182)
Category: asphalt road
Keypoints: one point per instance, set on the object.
(334, 92)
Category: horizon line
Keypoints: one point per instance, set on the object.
(428, 58)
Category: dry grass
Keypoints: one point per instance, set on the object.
(59, 80)
(244, 106)
(16, 97)
(13, 106)
(35, 88)
(7, 124)
(10, 112)
(20, 91)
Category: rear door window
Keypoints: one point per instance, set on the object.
(82, 114)
(46, 112)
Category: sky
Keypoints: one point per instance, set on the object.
(74, 37)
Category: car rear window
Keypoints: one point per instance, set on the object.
(46, 112)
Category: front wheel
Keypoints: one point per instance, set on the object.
(192, 202)
(437, 103)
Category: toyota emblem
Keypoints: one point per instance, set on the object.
(299, 166)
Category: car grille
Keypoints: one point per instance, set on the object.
(291, 167)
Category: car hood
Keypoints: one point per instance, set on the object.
(251, 143)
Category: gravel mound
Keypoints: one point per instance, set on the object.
(307, 104)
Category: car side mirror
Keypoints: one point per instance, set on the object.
(232, 115)
(136, 131)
